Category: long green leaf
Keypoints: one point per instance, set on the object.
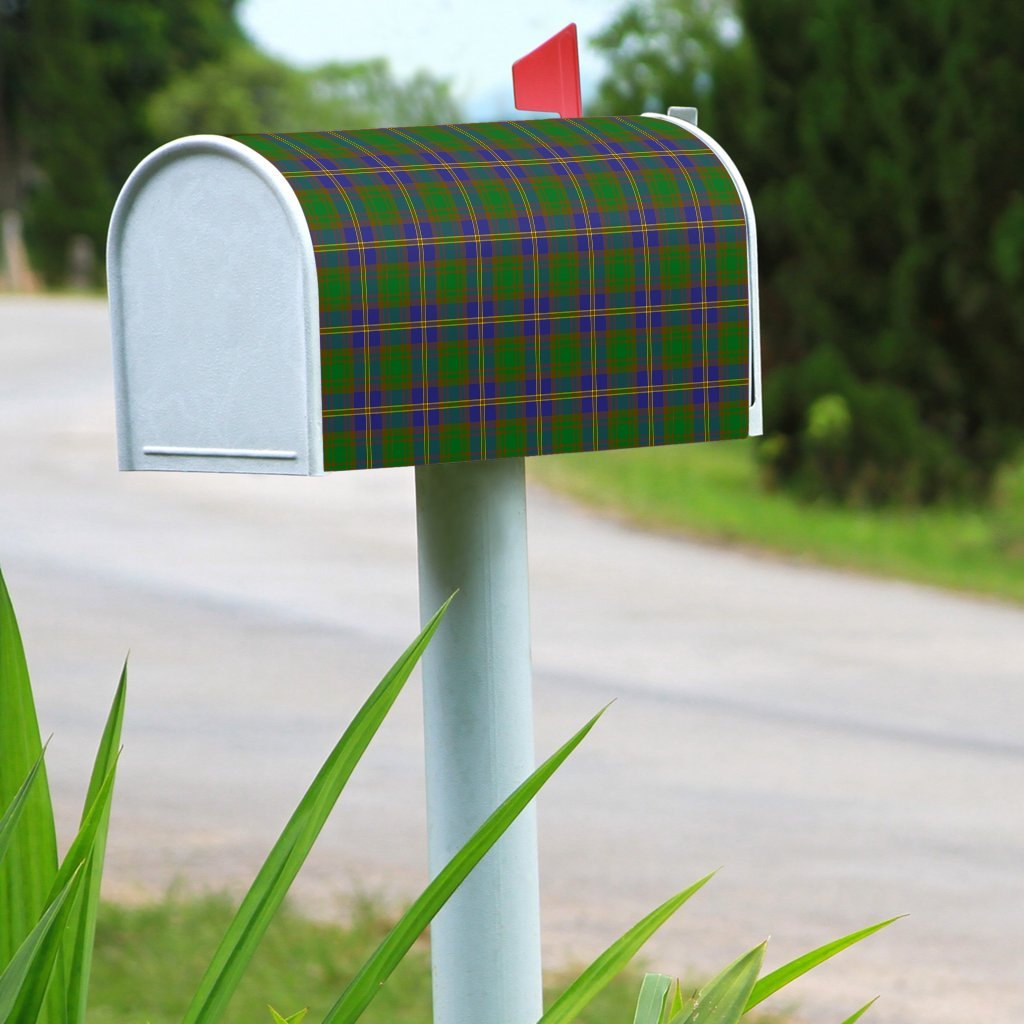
(723, 1000)
(81, 935)
(28, 870)
(32, 964)
(282, 864)
(854, 1017)
(572, 1001)
(782, 976)
(73, 865)
(84, 844)
(13, 813)
(651, 1003)
(372, 975)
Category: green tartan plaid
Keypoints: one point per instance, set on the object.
(522, 288)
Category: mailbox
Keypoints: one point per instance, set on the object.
(452, 297)
(295, 303)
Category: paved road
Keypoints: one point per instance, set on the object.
(846, 748)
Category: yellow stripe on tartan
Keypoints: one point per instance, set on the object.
(425, 404)
(539, 419)
(500, 236)
(647, 277)
(466, 403)
(471, 164)
(703, 272)
(519, 126)
(479, 277)
(362, 278)
(565, 314)
(515, 203)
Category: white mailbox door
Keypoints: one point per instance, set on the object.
(215, 316)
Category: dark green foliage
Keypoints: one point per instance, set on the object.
(148, 959)
(64, 190)
(77, 75)
(880, 143)
(88, 87)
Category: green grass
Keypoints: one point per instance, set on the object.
(713, 491)
(149, 959)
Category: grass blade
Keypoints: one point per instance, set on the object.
(23, 982)
(572, 1001)
(723, 1000)
(282, 864)
(853, 1018)
(17, 805)
(30, 866)
(368, 980)
(81, 935)
(651, 1003)
(771, 983)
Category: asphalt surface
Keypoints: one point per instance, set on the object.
(845, 748)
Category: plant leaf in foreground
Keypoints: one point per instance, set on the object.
(368, 980)
(24, 980)
(782, 976)
(595, 977)
(651, 1002)
(675, 1006)
(723, 999)
(17, 805)
(295, 1018)
(73, 866)
(272, 883)
(82, 929)
(28, 870)
(853, 1018)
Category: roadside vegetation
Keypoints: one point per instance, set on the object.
(51, 944)
(151, 957)
(715, 492)
(890, 224)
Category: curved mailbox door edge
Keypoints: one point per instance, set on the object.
(756, 408)
(165, 290)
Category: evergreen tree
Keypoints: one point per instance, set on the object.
(75, 81)
(882, 147)
(88, 87)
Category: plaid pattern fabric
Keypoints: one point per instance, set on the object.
(521, 288)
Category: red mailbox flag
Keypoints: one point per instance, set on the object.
(548, 78)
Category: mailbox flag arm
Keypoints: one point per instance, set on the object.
(548, 78)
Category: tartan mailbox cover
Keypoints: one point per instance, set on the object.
(347, 300)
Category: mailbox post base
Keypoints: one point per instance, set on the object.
(478, 720)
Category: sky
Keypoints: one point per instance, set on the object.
(471, 42)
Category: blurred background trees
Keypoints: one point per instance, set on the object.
(881, 142)
(89, 87)
(76, 79)
(247, 87)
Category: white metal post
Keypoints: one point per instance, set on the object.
(478, 720)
